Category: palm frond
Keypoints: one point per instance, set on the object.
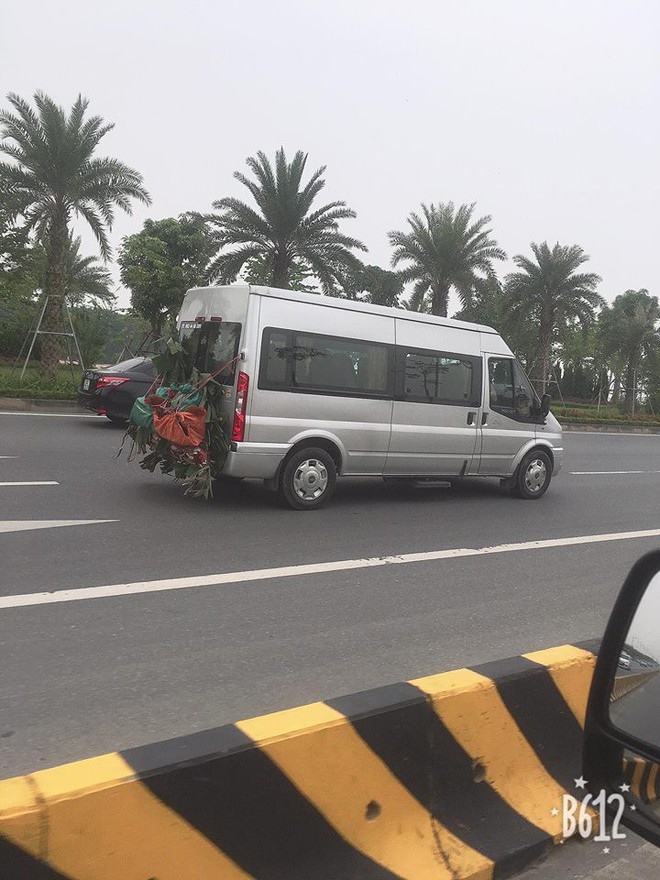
(284, 223)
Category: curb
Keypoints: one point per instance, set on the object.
(448, 777)
(26, 404)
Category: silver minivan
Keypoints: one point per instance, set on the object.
(318, 387)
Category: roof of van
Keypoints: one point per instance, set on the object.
(352, 305)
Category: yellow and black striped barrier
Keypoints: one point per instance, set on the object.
(644, 779)
(451, 776)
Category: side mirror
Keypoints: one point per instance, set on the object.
(622, 730)
(544, 409)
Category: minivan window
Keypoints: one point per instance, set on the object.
(219, 346)
(313, 362)
(346, 365)
(435, 377)
(274, 357)
(510, 390)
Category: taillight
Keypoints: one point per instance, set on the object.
(238, 430)
(109, 381)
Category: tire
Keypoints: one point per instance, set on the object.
(533, 475)
(117, 420)
(308, 479)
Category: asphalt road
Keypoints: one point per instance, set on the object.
(629, 859)
(85, 677)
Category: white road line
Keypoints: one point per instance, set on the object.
(8, 456)
(49, 415)
(600, 473)
(25, 525)
(653, 435)
(31, 483)
(237, 577)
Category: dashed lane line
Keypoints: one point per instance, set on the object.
(30, 483)
(603, 473)
(26, 525)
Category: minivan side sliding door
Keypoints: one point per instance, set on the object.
(436, 413)
(509, 419)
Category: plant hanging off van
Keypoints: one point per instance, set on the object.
(179, 425)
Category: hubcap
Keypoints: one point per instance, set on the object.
(535, 476)
(310, 479)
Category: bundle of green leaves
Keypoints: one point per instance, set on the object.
(197, 467)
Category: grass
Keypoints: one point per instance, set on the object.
(34, 386)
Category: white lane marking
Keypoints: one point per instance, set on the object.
(49, 415)
(31, 483)
(8, 456)
(649, 435)
(237, 577)
(26, 525)
(600, 473)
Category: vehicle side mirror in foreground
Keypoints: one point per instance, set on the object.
(622, 731)
(544, 409)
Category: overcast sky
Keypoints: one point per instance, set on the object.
(543, 113)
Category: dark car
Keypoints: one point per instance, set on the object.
(113, 391)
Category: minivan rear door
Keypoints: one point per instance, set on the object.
(508, 420)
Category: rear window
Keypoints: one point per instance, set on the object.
(137, 364)
(218, 348)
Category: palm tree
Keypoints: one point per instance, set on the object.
(549, 294)
(630, 336)
(86, 279)
(283, 231)
(444, 248)
(53, 176)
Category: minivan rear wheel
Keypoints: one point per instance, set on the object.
(533, 475)
(308, 479)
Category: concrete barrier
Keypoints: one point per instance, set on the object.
(643, 778)
(27, 404)
(455, 775)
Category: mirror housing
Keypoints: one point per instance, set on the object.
(544, 409)
(627, 676)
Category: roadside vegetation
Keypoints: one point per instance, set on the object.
(598, 356)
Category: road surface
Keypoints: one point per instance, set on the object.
(106, 672)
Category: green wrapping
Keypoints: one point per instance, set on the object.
(142, 415)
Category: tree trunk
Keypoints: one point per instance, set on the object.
(440, 299)
(629, 399)
(55, 290)
(281, 267)
(545, 359)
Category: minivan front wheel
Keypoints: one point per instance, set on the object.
(308, 479)
(533, 475)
